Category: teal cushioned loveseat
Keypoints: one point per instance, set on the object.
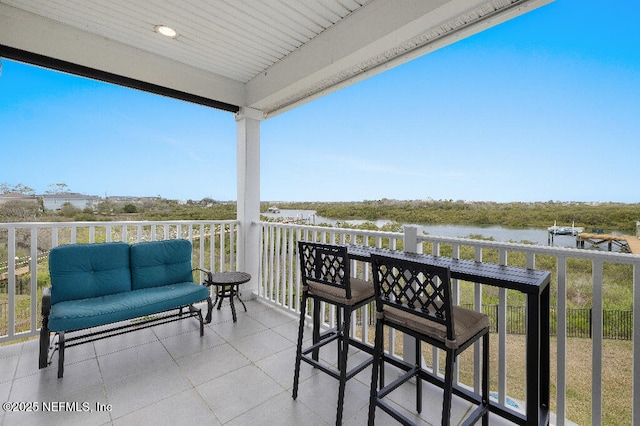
(95, 285)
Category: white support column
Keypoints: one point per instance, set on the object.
(248, 134)
(408, 342)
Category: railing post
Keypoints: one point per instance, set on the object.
(596, 338)
(635, 411)
(11, 275)
(410, 239)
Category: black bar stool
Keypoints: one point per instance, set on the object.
(415, 298)
(326, 278)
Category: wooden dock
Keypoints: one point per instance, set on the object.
(627, 243)
(634, 244)
(19, 271)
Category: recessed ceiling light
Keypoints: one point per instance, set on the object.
(166, 31)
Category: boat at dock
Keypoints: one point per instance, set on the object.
(564, 230)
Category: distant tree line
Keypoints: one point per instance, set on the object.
(609, 216)
(144, 208)
(22, 211)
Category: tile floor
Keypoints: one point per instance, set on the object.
(237, 374)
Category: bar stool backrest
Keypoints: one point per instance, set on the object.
(416, 288)
(325, 264)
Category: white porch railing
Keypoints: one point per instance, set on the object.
(280, 285)
(24, 249)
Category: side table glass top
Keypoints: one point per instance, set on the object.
(227, 286)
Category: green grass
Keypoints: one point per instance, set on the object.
(23, 314)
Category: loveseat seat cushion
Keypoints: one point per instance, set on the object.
(84, 313)
(158, 263)
(80, 271)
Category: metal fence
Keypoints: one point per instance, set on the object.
(617, 324)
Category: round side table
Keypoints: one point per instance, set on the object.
(227, 286)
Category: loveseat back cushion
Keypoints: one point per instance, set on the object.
(159, 263)
(80, 271)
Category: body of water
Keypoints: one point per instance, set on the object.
(498, 233)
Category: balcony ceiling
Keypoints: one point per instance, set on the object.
(268, 55)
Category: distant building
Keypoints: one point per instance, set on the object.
(130, 199)
(79, 201)
(16, 196)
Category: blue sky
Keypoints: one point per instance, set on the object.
(543, 107)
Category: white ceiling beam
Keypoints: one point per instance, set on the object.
(32, 33)
(378, 36)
